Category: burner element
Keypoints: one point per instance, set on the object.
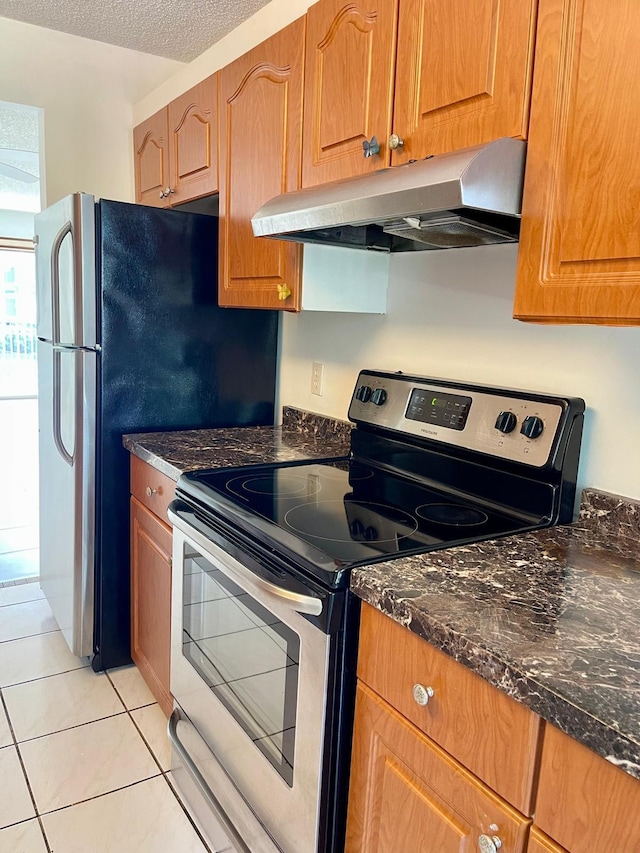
(453, 515)
(284, 485)
(350, 521)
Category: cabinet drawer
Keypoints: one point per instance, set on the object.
(154, 490)
(584, 802)
(408, 795)
(493, 736)
(539, 843)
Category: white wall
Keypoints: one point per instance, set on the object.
(87, 90)
(449, 315)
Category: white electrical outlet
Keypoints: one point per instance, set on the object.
(317, 378)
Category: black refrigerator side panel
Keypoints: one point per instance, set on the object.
(171, 359)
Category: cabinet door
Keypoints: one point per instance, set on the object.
(584, 802)
(151, 601)
(151, 160)
(349, 66)
(260, 152)
(463, 73)
(193, 142)
(407, 794)
(539, 843)
(579, 258)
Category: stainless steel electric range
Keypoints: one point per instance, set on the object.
(264, 630)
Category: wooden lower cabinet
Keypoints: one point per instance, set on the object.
(407, 794)
(489, 733)
(539, 843)
(584, 802)
(151, 541)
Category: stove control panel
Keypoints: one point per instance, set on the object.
(488, 420)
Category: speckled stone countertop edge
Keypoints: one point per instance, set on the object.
(604, 740)
(302, 435)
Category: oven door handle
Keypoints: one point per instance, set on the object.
(235, 571)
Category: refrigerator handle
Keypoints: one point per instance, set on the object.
(57, 430)
(55, 283)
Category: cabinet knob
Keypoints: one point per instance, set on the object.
(489, 845)
(150, 492)
(422, 694)
(283, 292)
(161, 194)
(370, 147)
(395, 142)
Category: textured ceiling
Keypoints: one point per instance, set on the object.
(175, 29)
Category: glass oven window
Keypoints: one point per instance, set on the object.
(246, 655)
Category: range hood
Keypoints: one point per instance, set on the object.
(465, 198)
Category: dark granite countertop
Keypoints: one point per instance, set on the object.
(303, 435)
(551, 618)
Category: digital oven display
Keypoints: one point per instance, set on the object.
(432, 407)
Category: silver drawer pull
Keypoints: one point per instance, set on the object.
(489, 845)
(422, 694)
(150, 492)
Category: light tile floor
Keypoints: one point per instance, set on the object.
(84, 757)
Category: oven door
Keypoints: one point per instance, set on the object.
(249, 669)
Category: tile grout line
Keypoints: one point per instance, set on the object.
(163, 772)
(165, 776)
(24, 773)
(27, 636)
(41, 677)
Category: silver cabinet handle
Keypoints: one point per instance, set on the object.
(198, 778)
(150, 492)
(422, 694)
(395, 142)
(489, 845)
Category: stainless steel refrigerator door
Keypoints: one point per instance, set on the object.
(65, 272)
(67, 406)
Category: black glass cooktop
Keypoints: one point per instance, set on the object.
(336, 514)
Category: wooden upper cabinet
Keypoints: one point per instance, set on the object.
(193, 142)
(176, 149)
(579, 258)
(439, 74)
(463, 74)
(349, 65)
(260, 151)
(151, 160)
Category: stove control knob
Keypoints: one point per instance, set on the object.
(532, 426)
(363, 394)
(506, 422)
(379, 397)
